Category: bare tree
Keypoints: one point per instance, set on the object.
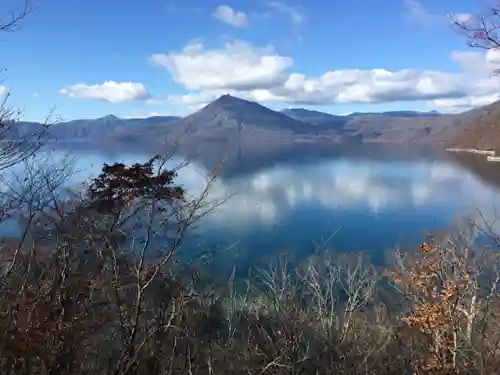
(18, 140)
(481, 30)
(12, 18)
(95, 270)
(29, 191)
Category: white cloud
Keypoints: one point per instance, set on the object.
(194, 98)
(482, 87)
(197, 100)
(35, 95)
(294, 14)
(228, 15)
(369, 86)
(3, 90)
(262, 74)
(111, 91)
(238, 65)
(188, 103)
(462, 104)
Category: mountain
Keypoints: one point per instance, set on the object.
(317, 117)
(310, 116)
(231, 123)
(233, 119)
(481, 129)
(93, 130)
(398, 114)
(235, 127)
(88, 129)
(391, 126)
(384, 128)
(152, 121)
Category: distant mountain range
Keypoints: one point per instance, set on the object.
(233, 123)
(91, 130)
(317, 117)
(313, 117)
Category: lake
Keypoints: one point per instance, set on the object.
(299, 205)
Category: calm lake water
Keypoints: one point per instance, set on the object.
(372, 203)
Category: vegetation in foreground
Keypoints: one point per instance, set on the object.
(93, 286)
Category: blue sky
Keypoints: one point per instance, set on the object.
(95, 57)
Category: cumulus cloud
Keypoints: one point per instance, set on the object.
(369, 86)
(262, 74)
(3, 90)
(476, 75)
(194, 98)
(230, 16)
(462, 104)
(238, 65)
(111, 91)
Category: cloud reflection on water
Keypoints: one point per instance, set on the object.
(270, 194)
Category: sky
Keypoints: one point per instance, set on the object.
(87, 59)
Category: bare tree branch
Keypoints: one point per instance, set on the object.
(480, 30)
(12, 19)
(18, 140)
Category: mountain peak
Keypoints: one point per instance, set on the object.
(231, 103)
(110, 117)
(230, 114)
(227, 98)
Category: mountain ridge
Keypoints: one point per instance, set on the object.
(481, 130)
(91, 130)
(318, 117)
(230, 121)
